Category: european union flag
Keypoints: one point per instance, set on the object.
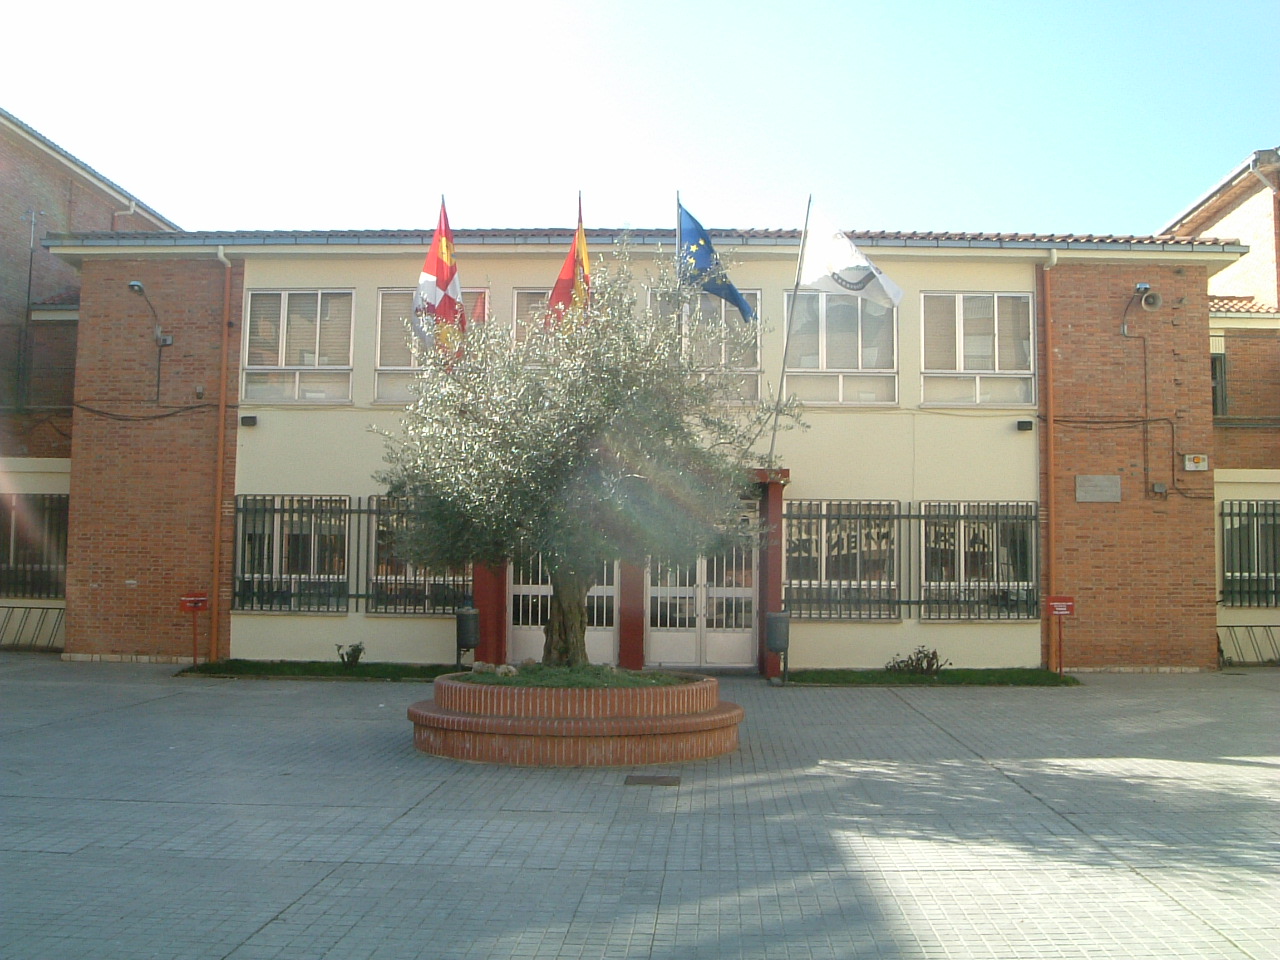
(699, 263)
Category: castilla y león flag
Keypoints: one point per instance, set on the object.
(439, 297)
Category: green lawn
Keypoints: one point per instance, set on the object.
(318, 670)
(952, 676)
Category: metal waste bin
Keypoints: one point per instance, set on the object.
(467, 629)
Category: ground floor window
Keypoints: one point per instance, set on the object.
(882, 560)
(334, 554)
(33, 545)
(1250, 553)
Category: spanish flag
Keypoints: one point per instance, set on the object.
(573, 286)
(439, 297)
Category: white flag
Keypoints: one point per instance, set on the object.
(833, 264)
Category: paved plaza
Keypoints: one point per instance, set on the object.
(150, 816)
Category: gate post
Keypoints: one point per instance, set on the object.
(770, 591)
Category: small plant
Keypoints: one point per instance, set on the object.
(922, 662)
(351, 655)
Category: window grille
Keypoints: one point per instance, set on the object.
(876, 560)
(33, 545)
(1250, 531)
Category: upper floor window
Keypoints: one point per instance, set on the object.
(978, 349)
(38, 363)
(298, 346)
(396, 360)
(734, 353)
(841, 349)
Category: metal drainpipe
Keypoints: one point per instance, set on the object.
(215, 593)
(1049, 453)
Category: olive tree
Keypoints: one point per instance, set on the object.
(612, 433)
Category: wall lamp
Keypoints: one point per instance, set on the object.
(162, 339)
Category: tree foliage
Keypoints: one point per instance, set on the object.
(609, 435)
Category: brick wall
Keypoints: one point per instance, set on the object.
(143, 468)
(1248, 437)
(1129, 407)
(65, 201)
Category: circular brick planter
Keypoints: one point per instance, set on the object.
(559, 727)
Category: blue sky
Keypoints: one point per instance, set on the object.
(1012, 115)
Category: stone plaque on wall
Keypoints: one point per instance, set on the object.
(1097, 489)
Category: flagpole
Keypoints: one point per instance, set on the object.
(786, 332)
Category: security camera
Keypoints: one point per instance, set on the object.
(136, 287)
(1138, 288)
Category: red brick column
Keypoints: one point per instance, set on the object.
(769, 589)
(489, 594)
(632, 616)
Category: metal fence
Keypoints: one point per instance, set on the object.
(326, 554)
(883, 560)
(33, 545)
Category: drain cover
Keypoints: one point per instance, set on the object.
(649, 780)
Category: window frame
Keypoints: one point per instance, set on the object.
(265, 575)
(814, 385)
(33, 545)
(827, 594)
(1250, 559)
(399, 586)
(291, 379)
(475, 302)
(948, 530)
(983, 380)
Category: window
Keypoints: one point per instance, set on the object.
(1218, 372)
(33, 545)
(978, 349)
(979, 561)
(1250, 553)
(38, 364)
(531, 311)
(850, 345)
(398, 586)
(298, 346)
(736, 354)
(396, 362)
(291, 553)
(841, 559)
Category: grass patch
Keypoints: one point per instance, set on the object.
(951, 677)
(318, 670)
(587, 675)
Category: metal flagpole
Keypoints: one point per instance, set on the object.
(786, 332)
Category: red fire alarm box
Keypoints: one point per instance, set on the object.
(193, 602)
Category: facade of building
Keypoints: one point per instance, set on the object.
(1022, 464)
(1244, 337)
(43, 190)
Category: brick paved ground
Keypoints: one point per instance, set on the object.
(148, 816)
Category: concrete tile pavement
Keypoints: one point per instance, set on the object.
(149, 816)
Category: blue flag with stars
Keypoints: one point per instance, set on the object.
(700, 264)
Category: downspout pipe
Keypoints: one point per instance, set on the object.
(1050, 453)
(220, 464)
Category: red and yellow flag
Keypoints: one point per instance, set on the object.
(438, 301)
(573, 286)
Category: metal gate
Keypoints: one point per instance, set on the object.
(529, 589)
(702, 614)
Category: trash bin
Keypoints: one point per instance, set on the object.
(467, 630)
(777, 632)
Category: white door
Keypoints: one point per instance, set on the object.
(529, 589)
(702, 614)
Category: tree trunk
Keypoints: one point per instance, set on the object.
(566, 629)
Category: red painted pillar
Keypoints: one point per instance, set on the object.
(770, 564)
(631, 616)
(489, 594)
